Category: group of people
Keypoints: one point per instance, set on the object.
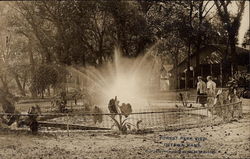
(205, 91)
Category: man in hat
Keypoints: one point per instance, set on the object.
(201, 91)
(211, 90)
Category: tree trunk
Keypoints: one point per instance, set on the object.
(188, 67)
(189, 46)
(22, 91)
(176, 74)
(198, 46)
(4, 83)
(199, 38)
(32, 63)
(176, 68)
(24, 82)
(48, 91)
(197, 57)
(233, 55)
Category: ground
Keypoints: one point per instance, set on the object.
(227, 140)
(230, 140)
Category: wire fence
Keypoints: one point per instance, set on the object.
(173, 118)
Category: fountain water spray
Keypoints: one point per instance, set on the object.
(128, 79)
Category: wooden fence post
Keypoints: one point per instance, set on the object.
(68, 124)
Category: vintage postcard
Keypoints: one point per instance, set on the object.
(127, 79)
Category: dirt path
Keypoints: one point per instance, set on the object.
(229, 140)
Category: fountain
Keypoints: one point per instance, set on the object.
(127, 78)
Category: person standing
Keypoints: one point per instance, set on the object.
(201, 91)
(211, 90)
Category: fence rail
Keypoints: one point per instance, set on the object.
(165, 119)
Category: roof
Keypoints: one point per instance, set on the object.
(167, 67)
(213, 54)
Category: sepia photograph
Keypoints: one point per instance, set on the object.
(124, 79)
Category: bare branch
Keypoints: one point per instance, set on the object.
(209, 10)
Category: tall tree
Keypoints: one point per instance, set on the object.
(202, 26)
(232, 24)
(130, 28)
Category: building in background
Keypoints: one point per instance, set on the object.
(212, 63)
(165, 77)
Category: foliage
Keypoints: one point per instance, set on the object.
(14, 62)
(246, 40)
(125, 110)
(231, 22)
(46, 76)
(85, 32)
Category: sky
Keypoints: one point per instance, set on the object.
(244, 23)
